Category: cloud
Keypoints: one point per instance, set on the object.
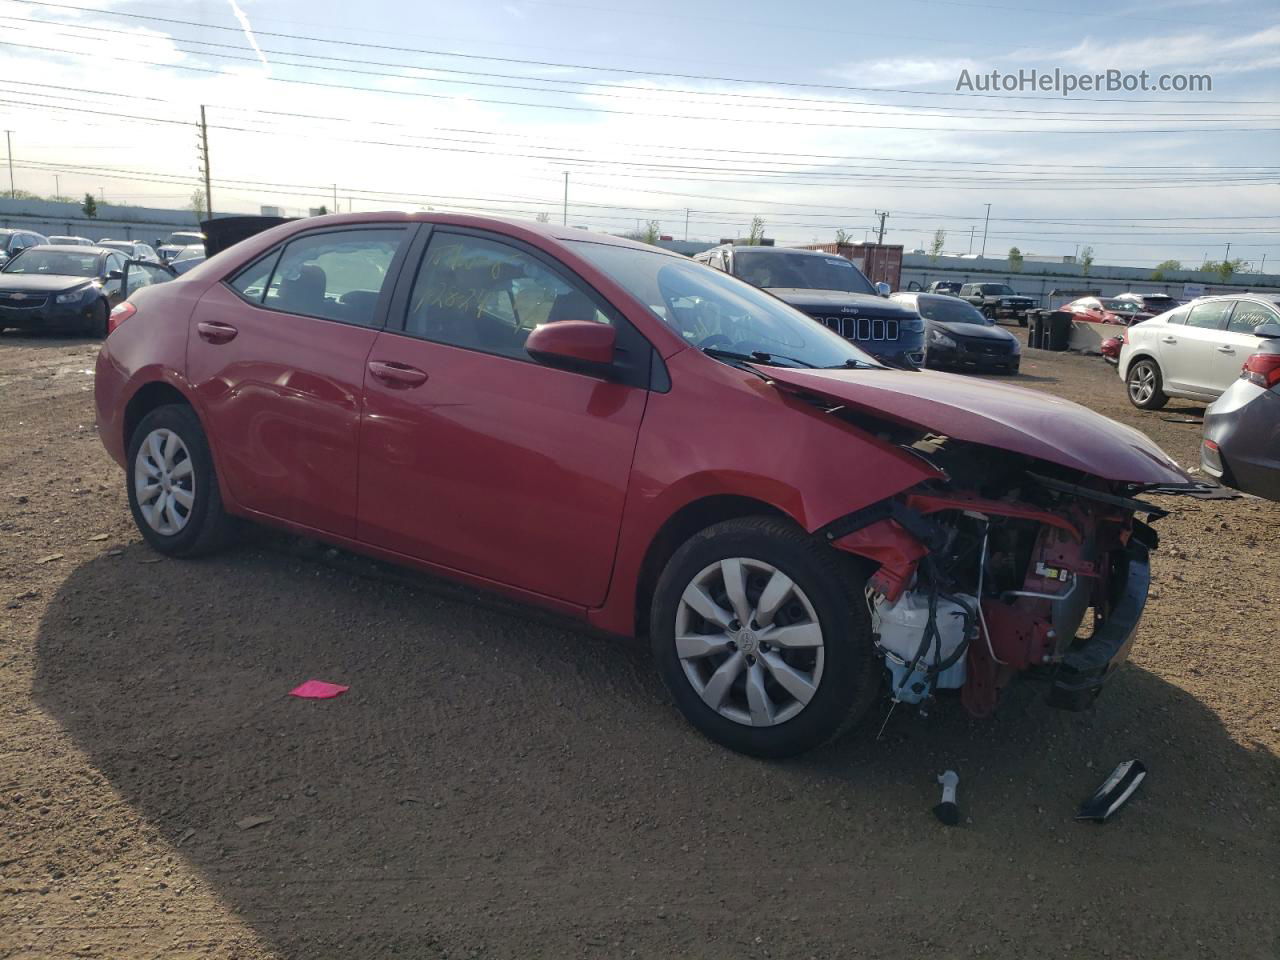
(248, 32)
(903, 72)
(1202, 49)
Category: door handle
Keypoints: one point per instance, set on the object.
(397, 374)
(215, 332)
(1169, 340)
(1225, 349)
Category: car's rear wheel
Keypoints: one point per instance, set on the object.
(762, 636)
(1146, 385)
(172, 486)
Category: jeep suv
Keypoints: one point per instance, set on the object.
(997, 300)
(834, 292)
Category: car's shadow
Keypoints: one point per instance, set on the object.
(493, 785)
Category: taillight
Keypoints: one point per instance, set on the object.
(1262, 369)
(122, 312)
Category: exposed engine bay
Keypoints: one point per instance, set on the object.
(1002, 566)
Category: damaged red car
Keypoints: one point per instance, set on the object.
(644, 444)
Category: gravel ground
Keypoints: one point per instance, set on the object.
(495, 785)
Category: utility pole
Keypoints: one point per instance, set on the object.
(1227, 258)
(971, 230)
(336, 208)
(57, 187)
(8, 145)
(984, 232)
(880, 238)
(1263, 268)
(204, 156)
(565, 216)
(686, 223)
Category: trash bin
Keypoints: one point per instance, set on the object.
(1059, 330)
(1035, 329)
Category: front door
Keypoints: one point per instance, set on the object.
(476, 458)
(277, 358)
(1189, 361)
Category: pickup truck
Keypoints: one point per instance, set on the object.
(997, 300)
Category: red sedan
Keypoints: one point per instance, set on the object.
(1107, 310)
(642, 443)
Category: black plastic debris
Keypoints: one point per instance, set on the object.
(1114, 792)
(948, 811)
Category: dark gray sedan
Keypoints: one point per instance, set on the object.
(1241, 445)
(957, 335)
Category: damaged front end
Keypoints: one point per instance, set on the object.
(1023, 554)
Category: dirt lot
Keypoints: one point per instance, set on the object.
(498, 786)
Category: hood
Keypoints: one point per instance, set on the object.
(1009, 296)
(865, 304)
(974, 331)
(40, 282)
(1012, 418)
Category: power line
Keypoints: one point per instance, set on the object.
(615, 70)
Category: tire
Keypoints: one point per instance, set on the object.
(837, 682)
(1022, 320)
(177, 529)
(1145, 385)
(97, 325)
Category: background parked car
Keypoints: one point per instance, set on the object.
(997, 301)
(1195, 351)
(178, 241)
(1152, 303)
(71, 241)
(187, 258)
(61, 288)
(13, 242)
(957, 335)
(834, 292)
(949, 288)
(1241, 445)
(133, 249)
(1107, 310)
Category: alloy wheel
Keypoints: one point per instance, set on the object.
(164, 481)
(749, 642)
(1142, 383)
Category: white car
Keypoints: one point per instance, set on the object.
(1195, 351)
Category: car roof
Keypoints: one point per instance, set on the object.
(74, 248)
(761, 249)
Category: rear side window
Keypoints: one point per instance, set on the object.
(1248, 315)
(251, 282)
(334, 276)
(1209, 316)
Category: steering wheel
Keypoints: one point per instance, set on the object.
(716, 340)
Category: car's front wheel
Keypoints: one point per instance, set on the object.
(172, 486)
(1145, 385)
(96, 325)
(762, 636)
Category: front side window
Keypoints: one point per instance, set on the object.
(114, 262)
(997, 290)
(484, 295)
(1209, 316)
(334, 276)
(1247, 315)
(713, 310)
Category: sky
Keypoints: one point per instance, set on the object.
(813, 116)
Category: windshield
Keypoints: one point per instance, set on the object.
(950, 310)
(710, 309)
(800, 270)
(1119, 306)
(59, 263)
(184, 239)
(997, 290)
(117, 245)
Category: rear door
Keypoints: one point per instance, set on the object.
(276, 354)
(1238, 342)
(476, 458)
(1188, 353)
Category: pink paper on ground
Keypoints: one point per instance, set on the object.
(318, 690)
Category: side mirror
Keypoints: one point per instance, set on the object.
(582, 346)
(115, 275)
(1269, 329)
(883, 288)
